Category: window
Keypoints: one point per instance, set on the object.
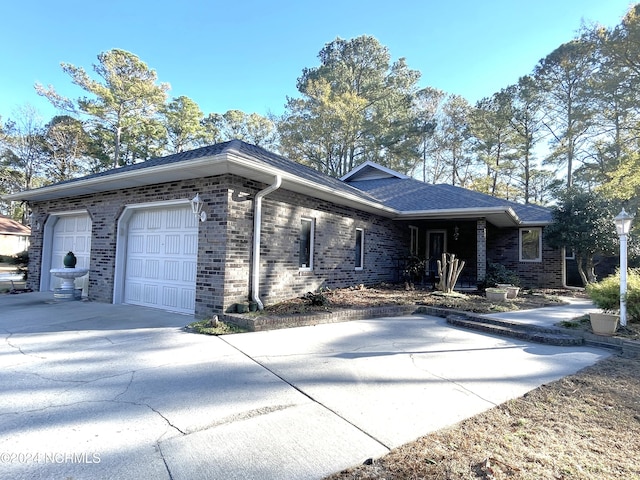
(306, 244)
(414, 240)
(530, 244)
(569, 253)
(359, 250)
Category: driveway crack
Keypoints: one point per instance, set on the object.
(301, 391)
(17, 347)
(448, 380)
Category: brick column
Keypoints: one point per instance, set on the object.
(481, 246)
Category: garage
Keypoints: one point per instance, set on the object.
(71, 233)
(161, 258)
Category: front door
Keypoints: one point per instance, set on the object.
(436, 246)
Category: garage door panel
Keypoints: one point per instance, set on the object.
(162, 259)
(154, 219)
(190, 244)
(172, 270)
(188, 271)
(153, 244)
(172, 244)
(188, 299)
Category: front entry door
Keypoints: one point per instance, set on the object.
(436, 246)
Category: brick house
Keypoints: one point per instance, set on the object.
(274, 229)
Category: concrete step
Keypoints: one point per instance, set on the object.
(529, 333)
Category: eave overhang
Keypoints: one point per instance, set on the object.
(498, 216)
(229, 162)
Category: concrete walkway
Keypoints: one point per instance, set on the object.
(95, 391)
(549, 316)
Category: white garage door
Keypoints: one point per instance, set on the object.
(71, 234)
(162, 250)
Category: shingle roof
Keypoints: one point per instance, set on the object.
(387, 191)
(154, 162)
(301, 171)
(9, 226)
(257, 154)
(413, 195)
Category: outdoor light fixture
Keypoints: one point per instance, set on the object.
(623, 226)
(196, 208)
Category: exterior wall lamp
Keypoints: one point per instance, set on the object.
(623, 226)
(196, 208)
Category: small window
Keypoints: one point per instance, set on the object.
(569, 254)
(414, 240)
(306, 244)
(530, 244)
(359, 250)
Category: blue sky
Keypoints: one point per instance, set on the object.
(247, 55)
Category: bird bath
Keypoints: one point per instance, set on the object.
(68, 290)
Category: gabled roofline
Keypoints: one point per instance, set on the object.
(231, 160)
(375, 165)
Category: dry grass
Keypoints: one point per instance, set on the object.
(585, 426)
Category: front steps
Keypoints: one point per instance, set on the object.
(528, 333)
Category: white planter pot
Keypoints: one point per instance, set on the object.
(512, 291)
(605, 324)
(496, 295)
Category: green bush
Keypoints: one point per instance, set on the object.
(605, 294)
(498, 273)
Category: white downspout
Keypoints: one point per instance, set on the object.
(257, 227)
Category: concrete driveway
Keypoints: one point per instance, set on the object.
(96, 391)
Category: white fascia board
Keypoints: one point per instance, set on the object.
(115, 181)
(459, 213)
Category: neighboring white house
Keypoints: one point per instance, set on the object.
(14, 237)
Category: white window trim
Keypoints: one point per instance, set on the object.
(312, 235)
(361, 230)
(414, 241)
(530, 260)
(569, 254)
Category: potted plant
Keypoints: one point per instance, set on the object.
(606, 296)
(496, 294)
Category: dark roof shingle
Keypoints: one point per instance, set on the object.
(413, 195)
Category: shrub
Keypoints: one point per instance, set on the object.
(605, 294)
(317, 299)
(498, 273)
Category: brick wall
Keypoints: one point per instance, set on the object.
(503, 248)
(225, 240)
(334, 246)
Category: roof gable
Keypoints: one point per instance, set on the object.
(370, 171)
